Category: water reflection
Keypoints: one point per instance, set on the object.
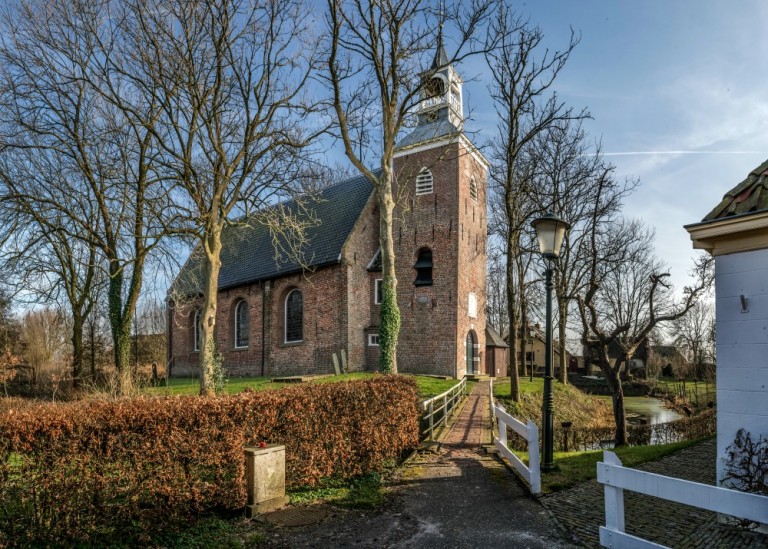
(650, 409)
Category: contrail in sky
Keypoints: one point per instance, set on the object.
(630, 153)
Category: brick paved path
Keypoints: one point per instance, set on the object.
(581, 510)
(453, 496)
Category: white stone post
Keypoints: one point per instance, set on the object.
(265, 478)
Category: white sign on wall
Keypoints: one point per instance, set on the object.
(472, 305)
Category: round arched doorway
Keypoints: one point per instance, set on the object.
(473, 360)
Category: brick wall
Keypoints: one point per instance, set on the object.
(471, 268)
(323, 333)
(434, 318)
(357, 254)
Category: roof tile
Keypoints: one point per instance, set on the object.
(751, 195)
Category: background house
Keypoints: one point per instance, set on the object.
(736, 234)
(496, 353)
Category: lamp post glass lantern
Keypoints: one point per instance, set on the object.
(550, 231)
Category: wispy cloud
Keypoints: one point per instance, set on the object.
(651, 153)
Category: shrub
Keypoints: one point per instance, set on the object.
(80, 471)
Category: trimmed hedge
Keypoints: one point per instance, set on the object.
(80, 471)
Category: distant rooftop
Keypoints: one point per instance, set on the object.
(749, 196)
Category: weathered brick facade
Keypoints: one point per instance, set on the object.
(337, 300)
(443, 323)
(452, 225)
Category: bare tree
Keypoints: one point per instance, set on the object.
(496, 304)
(526, 106)
(627, 295)
(572, 180)
(46, 265)
(42, 336)
(229, 77)
(694, 333)
(378, 61)
(58, 77)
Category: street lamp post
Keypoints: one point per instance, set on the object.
(550, 231)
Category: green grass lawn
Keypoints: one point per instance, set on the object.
(428, 386)
(697, 391)
(572, 468)
(501, 386)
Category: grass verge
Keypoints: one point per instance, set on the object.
(573, 468)
(365, 492)
(428, 386)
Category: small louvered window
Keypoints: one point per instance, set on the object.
(424, 182)
(473, 189)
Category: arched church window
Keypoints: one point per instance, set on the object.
(424, 182)
(473, 189)
(241, 324)
(423, 268)
(294, 317)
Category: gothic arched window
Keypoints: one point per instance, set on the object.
(241, 324)
(294, 317)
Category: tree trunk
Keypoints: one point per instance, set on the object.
(122, 342)
(389, 323)
(562, 321)
(121, 333)
(212, 245)
(93, 351)
(77, 349)
(613, 378)
(514, 327)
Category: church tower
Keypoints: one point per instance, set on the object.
(440, 233)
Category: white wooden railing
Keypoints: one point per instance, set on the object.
(441, 406)
(532, 473)
(616, 478)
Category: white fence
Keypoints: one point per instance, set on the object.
(616, 478)
(530, 432)
(440, 407)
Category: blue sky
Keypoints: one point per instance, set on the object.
(660, 77)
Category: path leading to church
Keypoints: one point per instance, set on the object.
(456, 496)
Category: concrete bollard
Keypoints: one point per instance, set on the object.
(265, 477)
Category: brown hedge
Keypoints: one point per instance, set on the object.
(83, 470)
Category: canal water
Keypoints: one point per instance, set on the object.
(651, 409)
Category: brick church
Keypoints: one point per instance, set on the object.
(282, 318)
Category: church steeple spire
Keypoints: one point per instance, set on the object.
(441, 58)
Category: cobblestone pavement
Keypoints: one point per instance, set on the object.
(581, 510)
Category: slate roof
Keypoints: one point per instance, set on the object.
(441, 58)
(492, 338)
(423, 133)
(749, 196)
(248, 254)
